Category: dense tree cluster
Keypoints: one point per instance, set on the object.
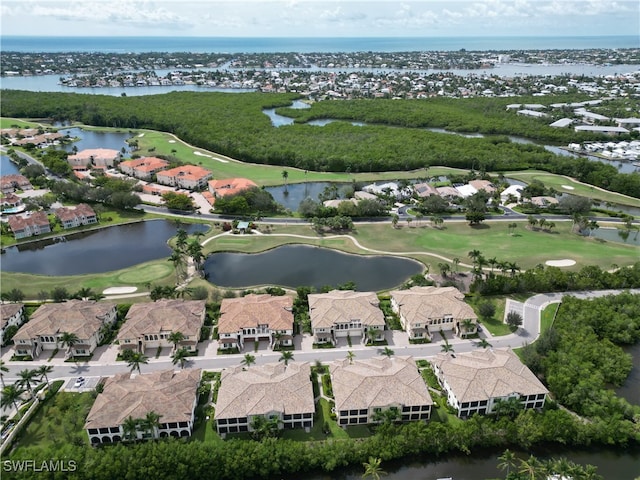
(579, 359)
(234, 125)
(251, 201)
(114, 192)
(553, 279)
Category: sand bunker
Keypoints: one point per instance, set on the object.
(200, 154)
(568, 187)
(560, 263)
(172, 141)
(119, 290)
(141, 135)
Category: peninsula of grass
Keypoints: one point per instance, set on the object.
(6, 122)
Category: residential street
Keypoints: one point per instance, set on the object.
(106, 365)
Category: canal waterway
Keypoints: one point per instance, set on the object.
(296, 265)
(96, 251)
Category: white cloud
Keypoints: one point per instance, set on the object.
(140, 13)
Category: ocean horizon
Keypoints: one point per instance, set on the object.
(58, 44)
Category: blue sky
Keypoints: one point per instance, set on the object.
(312, 18)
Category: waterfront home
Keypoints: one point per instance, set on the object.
(81, 214)
(11, 315)
(476, 382)
(87, 320)
(13, 182)
(143, 168)
(10, 202)
(512, 192)
(120, 411)
(29, 224)
(229, 186)
(484, 185)
(365, 389)
(190, 177)
(274, 391)
(255, 318)
(149, 325)
(424, 311)
(94, 157)
(345, 313)
(601, 129)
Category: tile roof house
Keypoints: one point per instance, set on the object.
(143, 168)
(485, 185)
(10, 183)
(29, 224)
(96, 157)
(425, 189)
(364, 388)
(424, 311)
(171, 395)
(342, 313)
(190, 177)
(229, 186)
(11, 315)
(81, 214)
(253, 318)
(9, 200)
(273, 390)
(50, 321)
(148, 325)
(475, 382)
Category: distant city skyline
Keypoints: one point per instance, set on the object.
(312, 18)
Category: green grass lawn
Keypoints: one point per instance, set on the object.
(547, 316)
(494, 324)
(158, 143)
(582, 189)
(59, 421)
(15, 122)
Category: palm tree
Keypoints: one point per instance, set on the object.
(474, 254)
(151, 423)
(181, 239)
(27, 377)
(373, 469)
(285, 177)
(194, 249)
(493, 261)
(530, 467)
(178, 263)
(468, 325)
(248, 360)
(3, 370)
(42, 370)
(84, 293)
(387, 352)
(514, 268)
(593, 225)
(508, 461)
(419, 217)
(180, 356)
(175, 338)
(456, 262)
(10, 396)
(394, 220)
(350, 356)
(447, 348)
(130, 428)
(484, 344)
(286, 357)
(69, 340)
(277, 339)
(135, 359)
